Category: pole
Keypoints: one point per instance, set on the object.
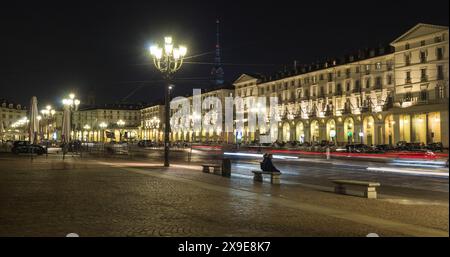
(167, 123)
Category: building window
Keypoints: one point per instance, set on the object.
(440, 72)
(347, 87)
(439, 92)
(368, 83)
(389, 65)
(407, 59)
(389, 79)
(437, 39)
(347, 73)
(378, 82)
(423, 95)
(330, 77)
(321, 76)
(339, 73)
(408, 77)
(357, 85)
(408, 97)
(357, 69)
(378, 66)
(407, 46)
(423, 56)
(439, 53)
(422, 43)
(338, 88)
(367, 68)
(423, 75)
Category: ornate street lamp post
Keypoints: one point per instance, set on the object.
(120, 123)
(47, 115)
(167, 61)
(72, 104)
(103, 126)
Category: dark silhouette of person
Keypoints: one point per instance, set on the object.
(267, 164)
(263, 163)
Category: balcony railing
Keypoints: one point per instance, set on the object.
(424, 78)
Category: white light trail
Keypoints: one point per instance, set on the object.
(411, 172)
(275, 156)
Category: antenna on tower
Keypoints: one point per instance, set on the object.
(217, 71)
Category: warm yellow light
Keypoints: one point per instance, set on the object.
(183, 50)
(168, 48)
(158, 53)
(176, 53)
(72, 96)
(153, 49)
(77, 102)
(48, 107)
(52, 112)
(39, 117)
(168, 40)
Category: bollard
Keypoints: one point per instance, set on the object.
(226, 167)
(328, 153)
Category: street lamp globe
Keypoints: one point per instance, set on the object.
(121, 123)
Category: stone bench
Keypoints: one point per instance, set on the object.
(274, 176)
(217, 169)
(369, 187)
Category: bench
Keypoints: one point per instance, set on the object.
(274, 176)
(216, 168)
(369, 187)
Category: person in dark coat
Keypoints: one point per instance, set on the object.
(263, 163)
(268, 165)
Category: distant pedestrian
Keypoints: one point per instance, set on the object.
(263, 163)
(268, 165)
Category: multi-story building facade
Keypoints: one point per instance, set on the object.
(92, 123)
(10, 115)
(152, 124)
(377, 96)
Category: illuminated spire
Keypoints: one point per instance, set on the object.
(217, 71)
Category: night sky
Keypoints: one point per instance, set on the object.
(49, 49)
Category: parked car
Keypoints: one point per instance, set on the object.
(359, 148)
(144, 143)
(405, 146)
(26, 147)
(435, 147)
(384, 148)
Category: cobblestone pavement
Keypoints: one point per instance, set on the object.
(114, 197)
